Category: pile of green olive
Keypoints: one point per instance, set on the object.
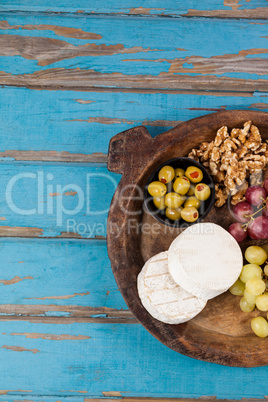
(179, 192)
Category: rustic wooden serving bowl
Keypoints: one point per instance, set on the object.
(221, 333)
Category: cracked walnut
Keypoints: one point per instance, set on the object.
(233, 160)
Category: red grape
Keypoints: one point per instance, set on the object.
(265, 185)
(265, 210)
(255, 195)
(258, 228)
(238, 232)
(242, 211)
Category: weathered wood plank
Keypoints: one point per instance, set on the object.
(77, 79)
(68, 126)
(159, 8)
(55, 200)
(43, 300)
(53, 156)
(16, 396)
(53, 314)
(59, 281)
(58, 278)
(235, 12)
(57, 52)
(92, 359)
(148, 399)
(113, 396)
(110, 360)
(40, 296)
(116, 396)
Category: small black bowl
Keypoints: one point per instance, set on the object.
(205, 206)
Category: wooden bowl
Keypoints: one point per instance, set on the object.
(221, 333)
(205, 206)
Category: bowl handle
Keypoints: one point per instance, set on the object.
(128, 147)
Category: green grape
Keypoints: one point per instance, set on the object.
(251, 299)
(265, 270)
(255, 286)
(262, 302)
(166, 174)
(157, 189)
(237, 288)
(259, 326)
(250, 271)
(245, 306)
(255, 255)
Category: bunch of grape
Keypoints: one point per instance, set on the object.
(252, 285)
(251, 215)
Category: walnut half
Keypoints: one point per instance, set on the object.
(232, 160)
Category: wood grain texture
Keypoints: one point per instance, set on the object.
(58, 323)
(148, 399)
(57, 278)
(86, 365)
(159, 8)
(55, 200)
(112, 396)
(66, 315)
(127, 65)
(235, 12)
(53, 156)
(76, 79)
(119, 57)
(48, 293)
(69, 126)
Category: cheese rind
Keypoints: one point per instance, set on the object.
(162, 297)
(205, 260)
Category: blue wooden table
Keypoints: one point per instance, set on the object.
(72, 75)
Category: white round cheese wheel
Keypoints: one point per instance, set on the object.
(162, 297)
(205, 260)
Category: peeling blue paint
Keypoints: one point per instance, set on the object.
(69, 274)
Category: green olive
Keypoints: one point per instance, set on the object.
(191, 190)
(189, 214)
(194, 174)
(159, 202)
(157, 189)
(173, 200)
(202, 191)
(166, 174)
(192, 202)
(179, 172)
(181, 185)
(173, 213)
